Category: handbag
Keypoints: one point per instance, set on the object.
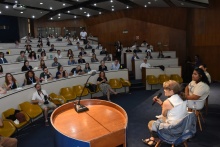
(91, 87)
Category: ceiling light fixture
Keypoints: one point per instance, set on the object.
(64, 4)
(145, 6)
(113, 9)
(51, 8)
(68, 11)
(85, 12)
(6, 7)
(81, 8)
(21, 12)
(111, 1)
(58, 17)
(182, 4)
(33, 16)
(100, 12)
(16, 2)
(95, 4)
(88, 15)
(59, 14)
(41, 12)
(74, 16)
(51, 18)
(113, 6)
(41, 3)
(127, 7)
(149, 3)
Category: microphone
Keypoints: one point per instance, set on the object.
(159, 95)
(78, 107)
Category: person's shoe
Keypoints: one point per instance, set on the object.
(47, 123)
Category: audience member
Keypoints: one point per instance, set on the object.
(2, 58)
(52, 49)
(22, 57)
(41, 98)
(76, 70)
(118, 48)
(81, 60)
(48, 41)
(30, 78)
(28, 49)
(102, 67)
(1, 69)
(148, 49)
(10, 82)
(145, 64)
(71, 61)
(58, 55)
(160, 55)
(144, 43)
(26, 66)
(198, 88)
(61, 73)
(107, 57)
(87, 68)
(83, 35)
(103, 51)
(173, 111)
(43, 55)
(115, 65)
(137, 50)
(128, 50)
(204, 68)
(46, 74)
(32, 56)
(55, 63)
(93, 52)
(94, 59)
(82, 53)
(69, 42)
(6, 141)
(16, 44)
(148, 55)
(77, 47)
(70, 53)
(42, 64)
(88, 46)
(134, 57)
(102, 81)
(40, 49)
(99, 47)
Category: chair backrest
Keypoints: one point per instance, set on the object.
(199, 104)
(151, 79)
(66, 91)
(163, 77)
(115, 83)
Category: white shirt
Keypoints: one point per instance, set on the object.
(58, 56)
(147, 65)
(83, 35)
(201, 89)
(40, 97)
(208, 76)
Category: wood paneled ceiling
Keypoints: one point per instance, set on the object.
(71, 9)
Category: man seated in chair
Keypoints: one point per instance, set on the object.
(41, 98)
(7, 141)
(173, 111)
(115, 65)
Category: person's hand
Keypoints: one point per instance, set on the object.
(156, 99)
(104, 80)
(41, 101)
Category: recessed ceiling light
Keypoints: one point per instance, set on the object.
(6, 7)
(68, 11)
(127, 7)
(51, 18)
(64, 4)
(41, 12)
(100, 12)
(58, 17)
(182, 4)
(113, 9)
(111, 1)
(0, 12)
(16, 2)
(33, 16)
(59, 14)
(74, 16)
(51, 8)
(149, 3)
(84, 12)
(41, 3)
(95, 4)
(113, 6)
(21, 12)
(81, 8)
(145, 5)
(88, 15)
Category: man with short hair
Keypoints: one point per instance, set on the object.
(52, 48)
(88, 46)
(115, 65)
(204, 68)
(58, 55)
(55, 63)
(41, 98)
(145, 64)
(47, 74)
(22, 57)
(83, 35)
(2, 58)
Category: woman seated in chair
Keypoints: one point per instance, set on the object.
(173, 110)
(71, 61)
(104, 86)
(102, 67)
(26, 66)
(42, 64)
(30, 78)
(61, 73)
(87, 68)
(10, 82)
(198, 88)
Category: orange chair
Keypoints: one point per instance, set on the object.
(176, 78)
(78, 90)
(8, 129)
(67, 93)
(57, 99)
(163, 78)
(93, 92)
(125, 83)
(152, 80)
(115, 84)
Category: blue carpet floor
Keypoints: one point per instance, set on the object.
(138, 106)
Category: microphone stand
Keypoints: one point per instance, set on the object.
(78, 107)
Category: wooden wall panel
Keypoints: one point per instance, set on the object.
(204, 36)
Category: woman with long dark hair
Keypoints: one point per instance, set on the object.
(198, 88)
(10, 82)
(26, 66)
(30, 78)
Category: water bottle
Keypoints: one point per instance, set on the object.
(45, 78)
(74, 73)
(194, 106)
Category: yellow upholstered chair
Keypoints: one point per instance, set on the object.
(163, 78)
(93, 92)
(11, 111)
(57, 99)
(78, 89)
(8, 129)
(67, 93)
(176, 78)
(32, 110)
(125, 83)
(152, 80)
(115, 84)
